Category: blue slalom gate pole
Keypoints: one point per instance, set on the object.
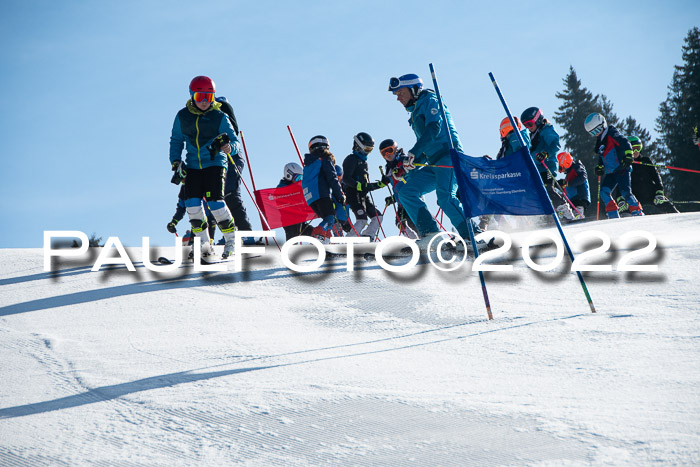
(556, 219)
(469, 221)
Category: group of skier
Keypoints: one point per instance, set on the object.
(211, 172)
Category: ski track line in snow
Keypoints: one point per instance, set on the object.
(116, 391)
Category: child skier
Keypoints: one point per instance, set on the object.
(199, 128)
(545, 146)
(615, 163)
(394, 158)
(576, 186)
(357, 187)
(509, 139)
(321, 186)
(293, 174)
(509, 144)
(646, 184)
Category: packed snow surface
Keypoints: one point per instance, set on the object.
(272, 367)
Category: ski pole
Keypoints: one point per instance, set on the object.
(684, 202)
(432, 165)
(379, 221)
(597, 209)
(262, 217)
(347, 216)
(391, 193)
(663, 166)
(563, 192)
(295, 145)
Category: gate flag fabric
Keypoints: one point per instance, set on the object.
(511, 185)
(284, 206)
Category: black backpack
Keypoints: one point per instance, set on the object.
(228, 110)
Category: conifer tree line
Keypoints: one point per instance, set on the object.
(678, 120)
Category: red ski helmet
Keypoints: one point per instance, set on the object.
(565, 160)
(202, 84)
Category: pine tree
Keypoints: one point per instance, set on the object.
(578, 103)
(679, 115)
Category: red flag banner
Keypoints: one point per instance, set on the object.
(284, 206)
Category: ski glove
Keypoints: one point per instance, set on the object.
(389, 200)
(541, 156)
(408, 162)
(660, 198)
(361, 186)
(180, 172)
(172, 226)
(626, 161)
(600, 169)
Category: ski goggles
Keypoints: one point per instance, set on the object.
(597, 130)
(388, 151)
(532, 123)
(203, 96)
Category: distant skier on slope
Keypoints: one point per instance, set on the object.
(321, 186)
(196, 127)
(615, 164)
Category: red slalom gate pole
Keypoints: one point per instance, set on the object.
(252, 180)
(295, 145)
(668, 167)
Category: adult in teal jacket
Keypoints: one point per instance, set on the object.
(432, 147)
(545, 145)
(198, 128)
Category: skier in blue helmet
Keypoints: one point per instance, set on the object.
(432, 147)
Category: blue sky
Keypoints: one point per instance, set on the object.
(93, 87)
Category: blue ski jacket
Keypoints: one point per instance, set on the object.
(195, 131)
(545, 139)
(511, 143)
(320, 179)
(612, 147)
(432, 135)
(577, 186)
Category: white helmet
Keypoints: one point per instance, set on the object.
(595, 124)
(291, 170)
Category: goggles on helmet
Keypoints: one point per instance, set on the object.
(394, 84)
(405, 81)
(203, 96)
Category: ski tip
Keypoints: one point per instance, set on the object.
(164, 260)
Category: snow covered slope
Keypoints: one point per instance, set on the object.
(273, 367)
